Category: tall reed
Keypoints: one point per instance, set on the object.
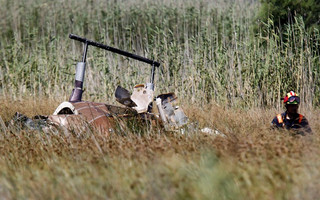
(207, 49)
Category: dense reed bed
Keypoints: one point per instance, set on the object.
(207, 49)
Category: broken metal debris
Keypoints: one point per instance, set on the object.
(75, 113)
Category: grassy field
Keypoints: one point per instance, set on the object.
(251, 162)
(227, 77)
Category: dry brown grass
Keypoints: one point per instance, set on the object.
(252, 162)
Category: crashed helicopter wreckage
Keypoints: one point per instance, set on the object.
(140, 104)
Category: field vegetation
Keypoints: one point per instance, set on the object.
(228, 75)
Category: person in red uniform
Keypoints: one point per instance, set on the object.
(291, 119)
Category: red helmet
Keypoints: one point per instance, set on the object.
(291, 98)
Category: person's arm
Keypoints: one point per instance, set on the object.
(305, 126)
(275, 123)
